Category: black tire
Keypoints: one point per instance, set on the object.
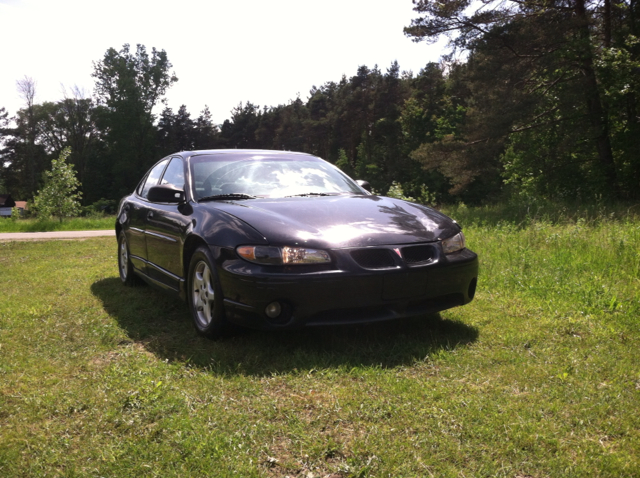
(204, 295)
(127, 276)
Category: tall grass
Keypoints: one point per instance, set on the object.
(522, 213)
(95, 222)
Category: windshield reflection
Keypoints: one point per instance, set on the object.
(269, 177)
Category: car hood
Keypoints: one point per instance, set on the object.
(341, 221)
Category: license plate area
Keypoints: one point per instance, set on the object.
(404, 285)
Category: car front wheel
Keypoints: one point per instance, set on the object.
(205, 295)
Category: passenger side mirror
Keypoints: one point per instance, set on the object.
(364, 184)
(166, 193)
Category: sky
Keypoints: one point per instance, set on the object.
(223, 51)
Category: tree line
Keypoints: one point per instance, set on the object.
(535, 98)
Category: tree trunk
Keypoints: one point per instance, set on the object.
(596, 112)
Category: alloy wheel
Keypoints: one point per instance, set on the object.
(203, 295)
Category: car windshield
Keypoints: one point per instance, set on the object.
(267, 176)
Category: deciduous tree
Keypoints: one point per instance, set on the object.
(129, 85)
(59, 196)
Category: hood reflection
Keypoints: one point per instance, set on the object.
(343, 221)
(345, 233)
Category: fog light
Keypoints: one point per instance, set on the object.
(273, 310)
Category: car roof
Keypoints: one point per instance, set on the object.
(242, 153)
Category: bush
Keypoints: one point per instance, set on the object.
(100, 207)
(426, 197)
(59, 196)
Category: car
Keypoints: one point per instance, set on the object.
(277, 239)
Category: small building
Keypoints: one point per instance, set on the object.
(6, 204)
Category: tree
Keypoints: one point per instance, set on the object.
(27, 123)
(25, 159)
(69, 123)
(240, 130)
(206, 134)
(4, 132)
(59, 196)
(538, 61)
(178, 132)
(129, 85)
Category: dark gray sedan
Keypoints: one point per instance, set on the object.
(274, 239)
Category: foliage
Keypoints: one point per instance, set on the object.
(543, 102)
(66, 123)
(343, 162)
(22, 157)
(618, 68)
(59, 196)
(87, 223)
(4, 133)
(536, 377)
(102, 206)
(128, 86)
(395, 191)
(542, 83)
(178, 132)
(425, 197)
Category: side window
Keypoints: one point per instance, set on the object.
(174, 174)
(152, 178)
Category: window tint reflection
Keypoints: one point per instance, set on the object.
(269, 177)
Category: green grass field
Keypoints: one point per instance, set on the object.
(538, 377)
(46, 225)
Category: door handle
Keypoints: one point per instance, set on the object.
(150, 215)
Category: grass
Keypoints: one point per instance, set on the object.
(46, 225)
(523, 213)
(538, 377)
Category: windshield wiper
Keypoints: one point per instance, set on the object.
(222, 197)
(313, 194)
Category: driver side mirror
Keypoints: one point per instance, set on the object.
(364, 184)
(166, 193)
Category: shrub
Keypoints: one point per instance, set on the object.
(59, 197)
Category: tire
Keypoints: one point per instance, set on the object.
(204, 296)
(127, 276)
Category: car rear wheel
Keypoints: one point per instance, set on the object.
(205, 295)
(124, 262)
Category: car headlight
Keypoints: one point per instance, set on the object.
(287, 255)
(454, 244)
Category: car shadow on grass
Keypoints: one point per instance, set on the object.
(161, 323)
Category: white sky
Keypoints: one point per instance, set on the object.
(224, 52)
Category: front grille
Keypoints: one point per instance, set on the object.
(415, 255)
(373, 258)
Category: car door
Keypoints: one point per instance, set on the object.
(165, 230)
(137, 211)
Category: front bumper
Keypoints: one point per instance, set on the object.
(344, 293)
